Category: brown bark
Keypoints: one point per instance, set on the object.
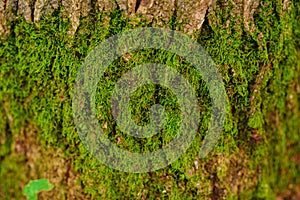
(193, 12)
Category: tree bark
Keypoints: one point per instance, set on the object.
(194, 12)
(268, 90)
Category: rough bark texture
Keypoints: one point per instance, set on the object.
(191, 11)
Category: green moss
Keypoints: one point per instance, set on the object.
(256, 153)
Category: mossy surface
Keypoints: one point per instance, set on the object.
(256, 157)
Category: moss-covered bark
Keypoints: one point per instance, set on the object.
(256, 49)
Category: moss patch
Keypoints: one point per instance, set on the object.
(257, 155)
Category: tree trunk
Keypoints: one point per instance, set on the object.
(255, 46)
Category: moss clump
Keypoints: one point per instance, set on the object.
(257, 155)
